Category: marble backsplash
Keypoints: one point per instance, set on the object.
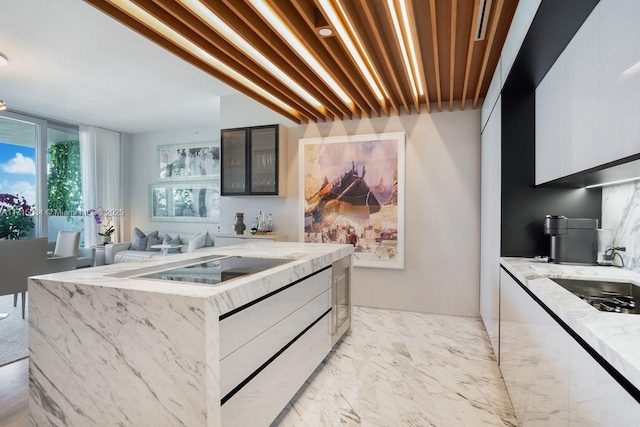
(621, 214)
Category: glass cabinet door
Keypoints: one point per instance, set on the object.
(264, 155)
(234, 169)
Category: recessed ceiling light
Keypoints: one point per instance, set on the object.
(3, 59)
(325, 32)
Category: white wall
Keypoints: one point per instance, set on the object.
(442, 222)
(442, 212)
(141, 150)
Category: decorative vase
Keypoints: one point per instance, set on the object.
(103, 240)
(239, 226)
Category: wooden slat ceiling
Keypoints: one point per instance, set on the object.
(451, 65)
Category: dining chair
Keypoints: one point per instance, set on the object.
(20, 259)
(65, 253)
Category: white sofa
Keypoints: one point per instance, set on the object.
(122, 252)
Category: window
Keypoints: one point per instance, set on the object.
(40, 169)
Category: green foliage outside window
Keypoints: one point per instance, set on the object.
(64, 181)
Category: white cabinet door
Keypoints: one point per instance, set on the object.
(550, 378)
(598, 95)
(580, 100)
(549, 110)
(619, 78)
(490, 225)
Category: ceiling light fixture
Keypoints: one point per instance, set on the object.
(3, 60)
(3, 106)
(289, 36)
(171, 35)
(358, 54)
(403, 47)
(412, 50)
(228, 33)
(622, 181)
(325, 32)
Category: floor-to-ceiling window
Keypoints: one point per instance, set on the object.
(64, 181)
(39, 175)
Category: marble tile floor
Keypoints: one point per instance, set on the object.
(395, 369)
(405, 369)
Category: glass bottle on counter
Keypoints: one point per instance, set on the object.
(269, 222)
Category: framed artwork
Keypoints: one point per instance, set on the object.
(352, 190)
(185, 202)
(188, 162)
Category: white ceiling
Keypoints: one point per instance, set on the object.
(70, 62)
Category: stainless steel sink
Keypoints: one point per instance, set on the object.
(617, 297)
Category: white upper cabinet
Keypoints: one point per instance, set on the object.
(549, 125)
(619, 78)
(522, 19)
(587, 106)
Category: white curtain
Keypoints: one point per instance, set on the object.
(100, 157)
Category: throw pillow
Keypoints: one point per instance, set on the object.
(153, 239)
(196, 242)
(139, 240)
(209, 242)
(169, 241)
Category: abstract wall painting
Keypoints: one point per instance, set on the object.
(352, 192)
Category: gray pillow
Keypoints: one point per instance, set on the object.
(196, 242)
(209, 241)
(153, 239)
(139, 240)
(169, 241)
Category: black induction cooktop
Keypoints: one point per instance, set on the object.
(218, 270)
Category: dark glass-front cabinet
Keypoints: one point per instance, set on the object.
(252, 161)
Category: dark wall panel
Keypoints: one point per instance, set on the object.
(523, 205)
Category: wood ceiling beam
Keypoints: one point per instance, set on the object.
(366, 50)
(418, 51)
(306, 35)
(242, 18)
(472, 38)
(154, 37)
(382, 53)
(328, 51)
(487, 50)
(403, 66)
(452, 57)
(296, 70)
(436, 55)
(189, 26)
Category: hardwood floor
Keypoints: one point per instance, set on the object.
(14, 394)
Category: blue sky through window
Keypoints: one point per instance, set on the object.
(18, 171)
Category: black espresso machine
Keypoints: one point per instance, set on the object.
(573, 240)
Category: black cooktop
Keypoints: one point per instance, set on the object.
(217, 270)
(613, 297)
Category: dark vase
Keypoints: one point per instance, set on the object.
(239, 226)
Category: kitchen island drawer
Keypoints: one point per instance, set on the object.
(240, 364)
(240, 327)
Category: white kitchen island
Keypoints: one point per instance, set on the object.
(106, 348)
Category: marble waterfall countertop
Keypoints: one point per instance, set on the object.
(614, 336)
(109, 349)
(306, 258)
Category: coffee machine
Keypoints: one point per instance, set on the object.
(573, 240)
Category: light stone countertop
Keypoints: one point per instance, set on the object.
(306, 258)
(615, 336)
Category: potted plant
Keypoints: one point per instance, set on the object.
(106, 222)
(16, 218)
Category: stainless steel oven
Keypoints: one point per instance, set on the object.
(341, 299)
